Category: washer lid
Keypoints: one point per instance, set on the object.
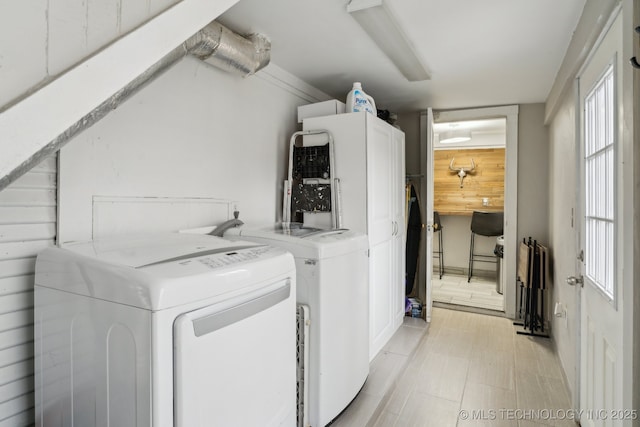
(160, 271)
(306, 242)
(144, 250)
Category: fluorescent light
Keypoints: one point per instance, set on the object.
(453, 136)
(378, 21)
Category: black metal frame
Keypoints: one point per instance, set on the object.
(533, 320)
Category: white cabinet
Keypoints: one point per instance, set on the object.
(369, 161)
(399, 202)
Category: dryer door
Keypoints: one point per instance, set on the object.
(235, 361)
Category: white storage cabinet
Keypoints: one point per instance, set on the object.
(369, 161)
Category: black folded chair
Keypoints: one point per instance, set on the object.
(484, 224)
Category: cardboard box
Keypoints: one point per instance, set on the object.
(319, 109)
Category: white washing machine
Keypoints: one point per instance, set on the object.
(333, 280)
(165, 330)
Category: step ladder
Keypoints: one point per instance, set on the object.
(311, 185)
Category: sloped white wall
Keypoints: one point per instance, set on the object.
(194, 132)
(79, 90)
(41, 38)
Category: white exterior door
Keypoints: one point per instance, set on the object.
(426, 194)
(604, 354)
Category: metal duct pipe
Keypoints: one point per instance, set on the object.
(221, 47)
(226, 50)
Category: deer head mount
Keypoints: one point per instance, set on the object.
(462, 171)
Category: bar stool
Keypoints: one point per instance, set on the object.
(484, 224)
(437, 228)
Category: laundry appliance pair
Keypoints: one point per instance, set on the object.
(192, 330)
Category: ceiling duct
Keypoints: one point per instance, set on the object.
(214, 43)
(221, 47)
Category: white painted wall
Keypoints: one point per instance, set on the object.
(410, 125)
(562, 189)
(41, 38)
(533, 173)
(456, 236)
(82, 88)
(194, 132)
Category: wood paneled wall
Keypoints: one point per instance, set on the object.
(487, 180)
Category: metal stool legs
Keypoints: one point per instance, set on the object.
(440, 254)
(470, 271)
(437, 228)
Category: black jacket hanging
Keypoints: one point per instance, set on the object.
(414, 230)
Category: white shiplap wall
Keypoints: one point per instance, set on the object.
(27, 225)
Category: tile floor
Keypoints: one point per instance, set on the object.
(454, 289)
(462, 363)
(384, 371)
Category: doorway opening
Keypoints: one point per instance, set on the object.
(509, 115)
(468, 205)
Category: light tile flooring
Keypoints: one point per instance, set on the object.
(465, 363)
(454, 289)
(384, 371)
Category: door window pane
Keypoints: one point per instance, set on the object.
(599, 168)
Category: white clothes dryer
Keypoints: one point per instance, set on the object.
(165, 330)
(333, 280)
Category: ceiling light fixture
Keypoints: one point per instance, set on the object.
(375, 17)
(452, 136)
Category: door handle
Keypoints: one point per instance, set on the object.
(212, 322)
(573, 280)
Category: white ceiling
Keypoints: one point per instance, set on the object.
(480, 53)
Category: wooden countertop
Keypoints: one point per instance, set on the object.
(468, 212)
